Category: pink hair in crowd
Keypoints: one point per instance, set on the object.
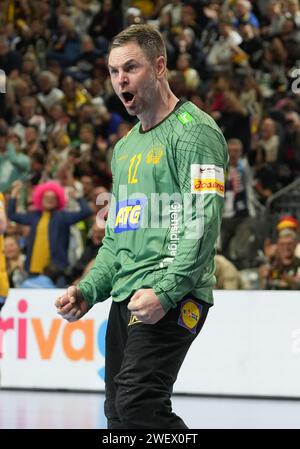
(42, 188)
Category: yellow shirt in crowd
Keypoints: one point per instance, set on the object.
(4, 284)
(40, 258)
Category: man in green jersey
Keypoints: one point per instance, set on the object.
(157, 257)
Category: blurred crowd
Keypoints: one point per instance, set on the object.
(238, 60)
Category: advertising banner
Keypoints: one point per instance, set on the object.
(249, 345)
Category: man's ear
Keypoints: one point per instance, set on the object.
(160, 66)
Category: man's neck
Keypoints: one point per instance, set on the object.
(165, 104)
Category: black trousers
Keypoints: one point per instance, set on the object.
(142, 363)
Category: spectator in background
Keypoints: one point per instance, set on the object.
(10, 61)
(244, 14)
(15, 260)
(49, 226)
(133, 16)
(58, 119)
(105, 25)
(225, 106)
(187, 42)
(189, 19)
(30, 67)
(252, 44)
(4, 284)
(238, 195)
(174, 8)
(273, 18)
(86, 114)
(38, 171)
(293, 10)
(88, 187)
(59, 149)
(220, 55)
(283, 273)
(28, 116)
(165, 28)
(108, 122)
(73, 190)
(32, 141)
(191, 76)
(99, 194)
(74, 96)
(270, 247)
(251, 99)
(87, 142)
(16, 141)
(48, 93)
(83, 11)
(86, 60)
(148, 8)
(269, 140)
(90, 252)
(17, 89)
(13, 166)
(227, 276)
(291, 145)
(265, 176)
(65, 43)
(290, 38)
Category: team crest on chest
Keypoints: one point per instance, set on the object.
(154, 155)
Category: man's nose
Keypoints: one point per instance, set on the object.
(123, 79)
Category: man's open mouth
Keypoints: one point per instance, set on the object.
(128, 96)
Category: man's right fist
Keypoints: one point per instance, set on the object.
(71, 306)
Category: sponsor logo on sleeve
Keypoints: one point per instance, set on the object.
(207, 179)
(129, 214)
(185, 118)
(190, 315)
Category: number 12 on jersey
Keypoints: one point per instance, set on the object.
(133, 166)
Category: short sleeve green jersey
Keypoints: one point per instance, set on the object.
(165, 214)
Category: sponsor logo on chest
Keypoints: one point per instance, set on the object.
(129, 214)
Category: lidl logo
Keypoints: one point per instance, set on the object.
(190, 315)
(129, 214)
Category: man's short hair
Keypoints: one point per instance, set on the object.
(147, 38)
